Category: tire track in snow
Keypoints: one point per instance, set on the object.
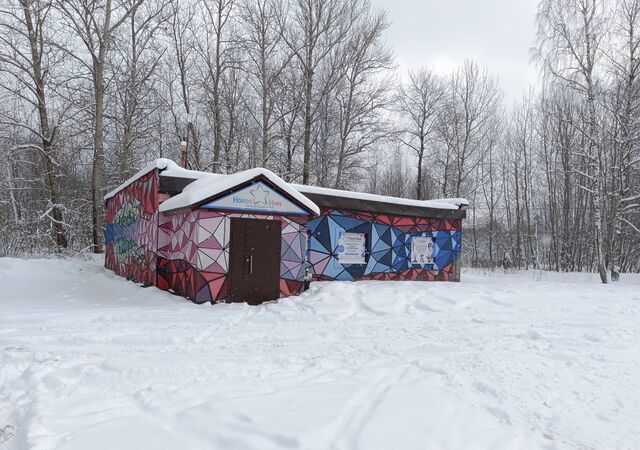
(360, 408)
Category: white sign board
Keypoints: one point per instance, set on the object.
(351, 248)
(257, 197)
(421, 250)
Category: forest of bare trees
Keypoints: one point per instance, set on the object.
(91, 90)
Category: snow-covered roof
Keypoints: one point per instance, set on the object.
(160, 164)
(207, 185)
(453, 203)
(459, 202)
(179, 172)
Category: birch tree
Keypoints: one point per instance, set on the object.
(27, 57)
(626, 67)
(570, 33)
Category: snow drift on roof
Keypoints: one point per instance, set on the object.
(453, 203)
(160, 164)
(460, 202)
(179, 172)
(208, 185)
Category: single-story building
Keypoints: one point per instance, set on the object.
(252, 237)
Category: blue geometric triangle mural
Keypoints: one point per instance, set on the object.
(388, 246)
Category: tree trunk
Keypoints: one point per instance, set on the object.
(308, 91)
(420, 161)
(597, 184)
(97, 173)
(217, 118)
(47, 135)
(265, 109)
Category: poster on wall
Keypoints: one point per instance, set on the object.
(421, 250)
(351, 248)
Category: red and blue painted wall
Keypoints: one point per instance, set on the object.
(187, 252)
(193, 253)
(388, 246)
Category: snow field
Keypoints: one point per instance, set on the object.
(531, 360)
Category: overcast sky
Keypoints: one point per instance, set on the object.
(442, 33)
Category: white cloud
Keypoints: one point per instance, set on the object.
(441, 34)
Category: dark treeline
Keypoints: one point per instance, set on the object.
(91, 90)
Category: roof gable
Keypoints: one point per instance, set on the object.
(256, 197)
(207, 189)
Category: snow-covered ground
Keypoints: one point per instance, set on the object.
(91, 361)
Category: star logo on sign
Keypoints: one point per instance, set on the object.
(259, 195)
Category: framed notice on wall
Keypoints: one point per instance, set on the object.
(421, 250)
(351, 248)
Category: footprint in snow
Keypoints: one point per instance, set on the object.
(531, 334)
(499, 414)
(422, 307)
(6, 433)
(592, 337)
(485, 389)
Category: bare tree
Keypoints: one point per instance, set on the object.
(267, 59)
(420, 101)
(522, 143)
(471, 105)
(215, 50)
(181, 33)
(95, 22)
(570, 33)
(290, 109)
(313, 32)
(139, 56)
(362, 93)
(28, 60)
(626, 68)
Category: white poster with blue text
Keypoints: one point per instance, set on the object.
(421, 250)
(351, 248)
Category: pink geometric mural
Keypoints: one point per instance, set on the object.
(193, 253)
(130, 230)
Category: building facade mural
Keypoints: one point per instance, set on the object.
(171, 227)
(388, 243)
(193, 253)
(131, 230)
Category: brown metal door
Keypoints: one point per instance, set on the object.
(254, 260)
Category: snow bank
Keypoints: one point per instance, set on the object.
(89, 360)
